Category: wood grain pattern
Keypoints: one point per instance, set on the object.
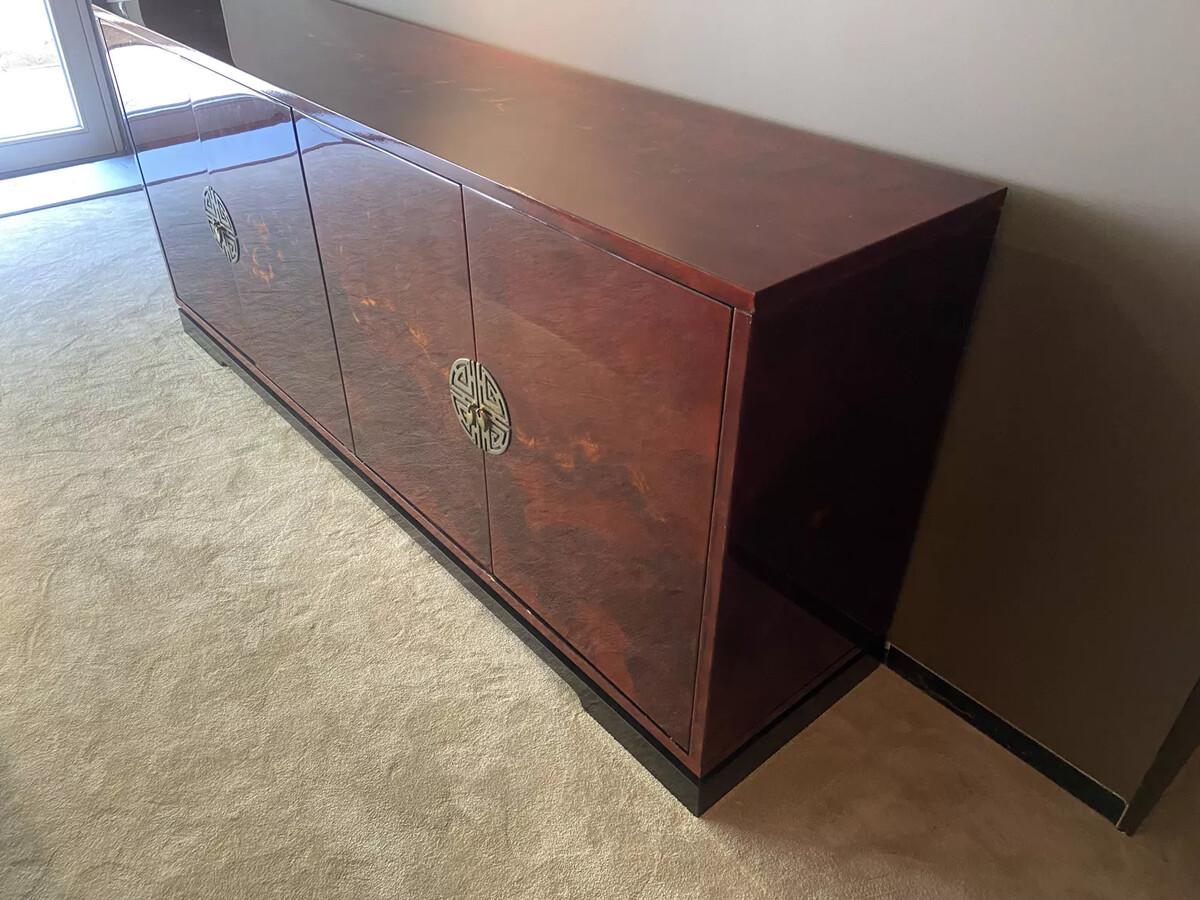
(600, 509)
(253, 162)
(391, 239)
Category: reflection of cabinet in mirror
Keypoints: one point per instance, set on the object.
(680, 427)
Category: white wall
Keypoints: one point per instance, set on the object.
(1058, 568)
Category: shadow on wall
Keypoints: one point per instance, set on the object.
(1054, 576)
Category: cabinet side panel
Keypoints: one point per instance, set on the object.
(600, 508)
(846, 392)
(392, 244)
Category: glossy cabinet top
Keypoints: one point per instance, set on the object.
(722, 202)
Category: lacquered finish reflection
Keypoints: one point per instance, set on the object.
(156, 90)
(193, 128)
(600, 508)
(391, 239)
(253, 162)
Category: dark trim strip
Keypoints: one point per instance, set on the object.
(1072, 780)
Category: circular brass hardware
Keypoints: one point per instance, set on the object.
(220, 223)
(479, 406)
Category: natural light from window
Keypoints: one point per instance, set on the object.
(35, 94)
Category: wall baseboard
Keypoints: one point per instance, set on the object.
(1072, 780)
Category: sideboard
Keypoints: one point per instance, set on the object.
(667, 381)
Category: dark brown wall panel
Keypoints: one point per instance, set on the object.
(1053, 579)
(392, 244)
(600, 509)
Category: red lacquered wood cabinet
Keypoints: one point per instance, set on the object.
(665, 381)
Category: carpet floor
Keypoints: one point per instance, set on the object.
(225, 673)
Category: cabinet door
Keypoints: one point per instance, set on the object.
(600, 507)
(155, 88)
(254, 165)
(392, 244)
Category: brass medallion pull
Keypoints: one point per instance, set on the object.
(479, 405)
(220, 223)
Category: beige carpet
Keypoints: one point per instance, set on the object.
(225, 673)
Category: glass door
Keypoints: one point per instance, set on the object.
(55, 104)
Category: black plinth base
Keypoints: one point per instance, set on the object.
(697, 794)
